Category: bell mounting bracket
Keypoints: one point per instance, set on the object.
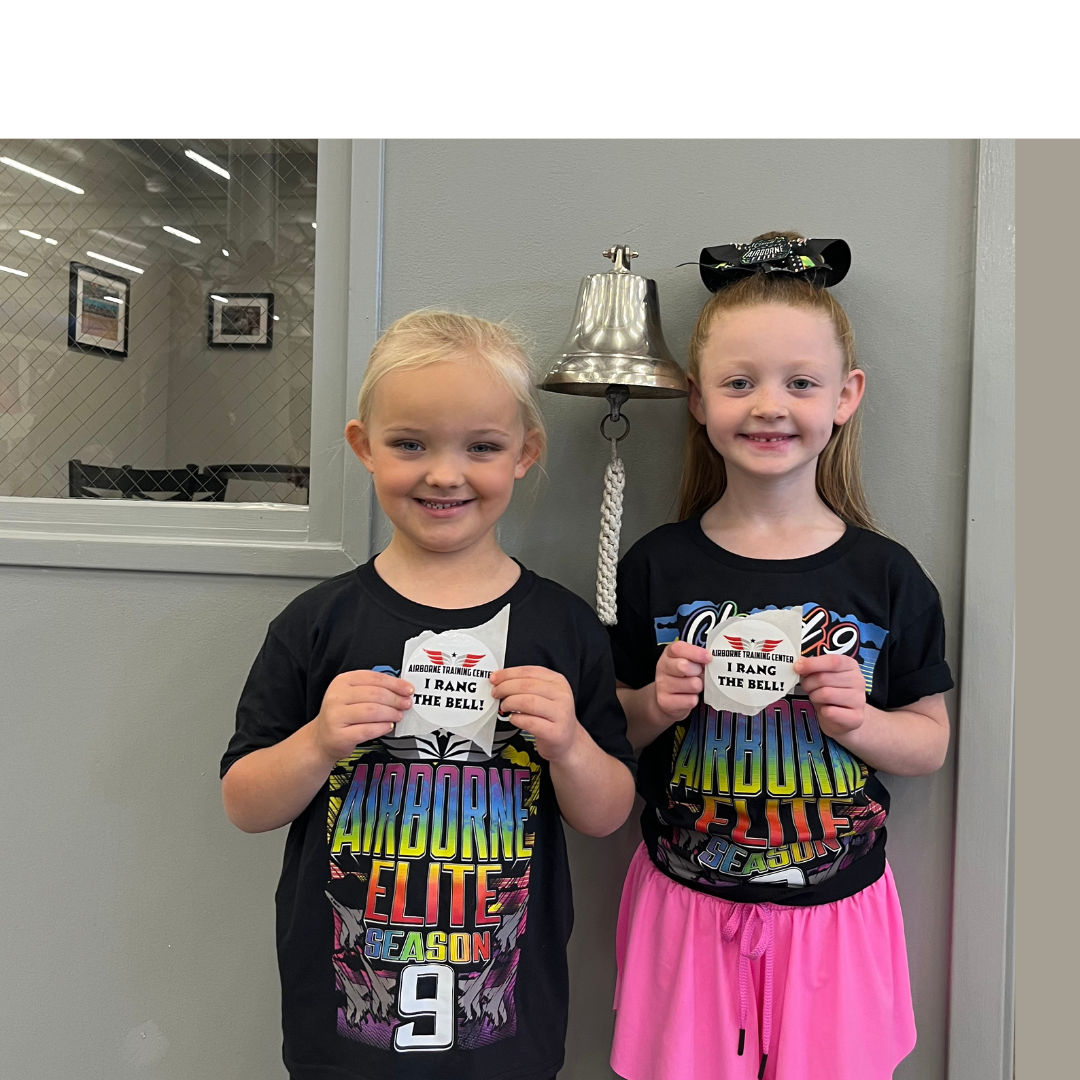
(620, 255)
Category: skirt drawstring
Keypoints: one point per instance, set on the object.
(751, 918)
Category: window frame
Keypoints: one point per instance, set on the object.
(332, 533)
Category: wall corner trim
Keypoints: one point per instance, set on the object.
(980, 1004)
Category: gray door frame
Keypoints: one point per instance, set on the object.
(981, 984)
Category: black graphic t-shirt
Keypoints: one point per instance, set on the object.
(425, 905)
(766, 807)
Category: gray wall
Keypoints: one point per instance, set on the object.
(137, 937)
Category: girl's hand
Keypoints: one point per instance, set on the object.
(539, 701)
(359, 706)
(837, 689)
(680, 675)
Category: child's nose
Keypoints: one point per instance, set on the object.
(444, 471)
(768, 404)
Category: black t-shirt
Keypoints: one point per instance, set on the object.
(767, 807)
(424, 905)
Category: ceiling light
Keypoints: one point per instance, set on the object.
(8, 270)
(219, 299)
(183, 235)
(313, 224)
(32, 235)
(276, 317)
(42, 175)
(225, 253)
(206, 163)
(115, 262)
(114, 299)
(120, 239)
(50, 240)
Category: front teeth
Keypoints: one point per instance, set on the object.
(440, 506)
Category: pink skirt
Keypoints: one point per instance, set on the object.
(821, 993)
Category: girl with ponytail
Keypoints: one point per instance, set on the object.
(760, 934)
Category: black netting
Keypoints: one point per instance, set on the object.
(213, 397)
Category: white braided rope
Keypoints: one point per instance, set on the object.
(610, 527)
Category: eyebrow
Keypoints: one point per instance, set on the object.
(785, 368)
(478, 433)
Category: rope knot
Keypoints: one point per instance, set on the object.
(610, 528)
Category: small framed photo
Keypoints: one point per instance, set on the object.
(98, 311)
(240, 320)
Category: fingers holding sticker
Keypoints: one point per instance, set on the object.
(451, 672)
(753, 660)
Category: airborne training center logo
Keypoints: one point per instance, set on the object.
(453, 660)
(765, 645)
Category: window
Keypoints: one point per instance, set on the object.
(157, 301)
(172, 307)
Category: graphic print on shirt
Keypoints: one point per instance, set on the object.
(429, 883)
(772, 799)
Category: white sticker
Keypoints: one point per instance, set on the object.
(752, 658)
(451, 676)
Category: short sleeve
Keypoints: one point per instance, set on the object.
(598, 708)
(917, 666)
(633, 637)
(273, 704)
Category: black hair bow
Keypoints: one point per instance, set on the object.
(821, 262)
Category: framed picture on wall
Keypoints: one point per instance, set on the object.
(240, 320)
(98, 311)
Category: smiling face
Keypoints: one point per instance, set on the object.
(771, 385)
(444, 444)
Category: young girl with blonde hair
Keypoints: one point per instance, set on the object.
(424, 905)
(760, 934)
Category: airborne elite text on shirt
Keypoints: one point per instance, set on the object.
(759, 804)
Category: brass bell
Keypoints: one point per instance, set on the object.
(616, 339)
(616, 350)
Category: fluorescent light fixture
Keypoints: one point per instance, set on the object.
(115, 262)
(114, 299)
(206, 163)
(50, 240)
(225, 253)
(183, 235)
(8, 270)
(42, 175)
(120, 239)
(32, 235)
(219, 299)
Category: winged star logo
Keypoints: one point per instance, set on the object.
(749, 644)
(453, 659)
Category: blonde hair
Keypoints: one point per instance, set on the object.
(430, 337)
(839, 478)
